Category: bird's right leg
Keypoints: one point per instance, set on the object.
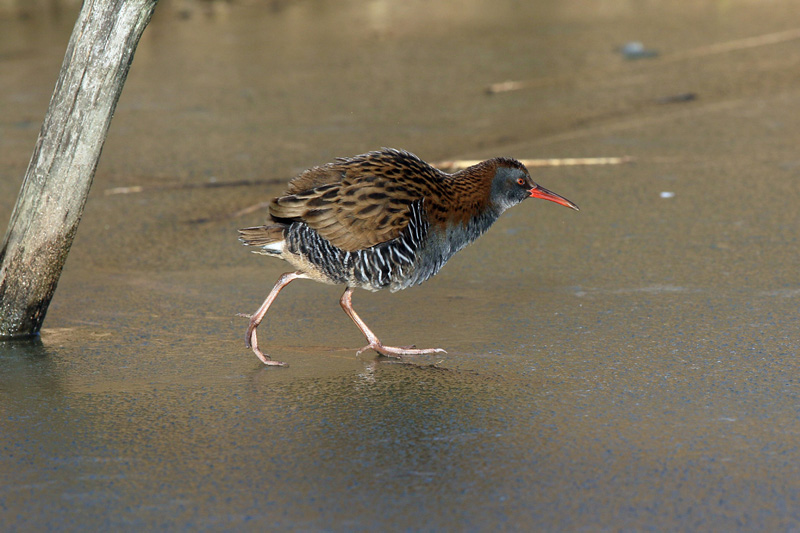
(251, 340)
(374, 343)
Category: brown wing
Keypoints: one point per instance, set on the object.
(355, 203)
(354, 214)
(316, 177)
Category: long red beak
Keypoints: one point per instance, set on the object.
(541, 192)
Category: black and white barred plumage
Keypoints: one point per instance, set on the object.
(392, 264)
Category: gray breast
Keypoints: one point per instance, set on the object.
(413, 257)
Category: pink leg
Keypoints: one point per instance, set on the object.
(251, 341)
(374, 343)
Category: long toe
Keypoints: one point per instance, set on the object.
(423, 351)
(270, 362)
(267, 360)
(397, 351)
(376, 347)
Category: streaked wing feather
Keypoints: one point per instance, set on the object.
(316, 178)
(358, 202)
(350, 216)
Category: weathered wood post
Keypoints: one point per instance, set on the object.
(60, 173)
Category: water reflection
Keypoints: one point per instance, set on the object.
(391, 431)
(26, 364)
(281, 442)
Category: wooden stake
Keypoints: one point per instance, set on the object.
(64, 160)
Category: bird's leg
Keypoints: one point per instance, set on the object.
(251, 340)
(373, 341)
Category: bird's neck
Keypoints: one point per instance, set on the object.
(459, 212)
(459, 233)
(465, 198)
(479, 222)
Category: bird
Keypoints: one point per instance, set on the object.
(382, 220)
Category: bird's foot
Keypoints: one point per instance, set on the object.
(397, 351)
(252, 342)
(267, 360)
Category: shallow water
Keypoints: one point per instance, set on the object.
(630, 366)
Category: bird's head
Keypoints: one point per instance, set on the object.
(512, 184)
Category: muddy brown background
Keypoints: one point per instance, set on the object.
(631, 366)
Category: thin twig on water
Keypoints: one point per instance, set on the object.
(460, 164)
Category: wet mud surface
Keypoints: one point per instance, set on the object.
(629, 366)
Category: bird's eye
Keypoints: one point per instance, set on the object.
(521, 181)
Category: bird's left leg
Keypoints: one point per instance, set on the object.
(391, 351)
(251, 340)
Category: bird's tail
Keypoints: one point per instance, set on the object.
(269, 238)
